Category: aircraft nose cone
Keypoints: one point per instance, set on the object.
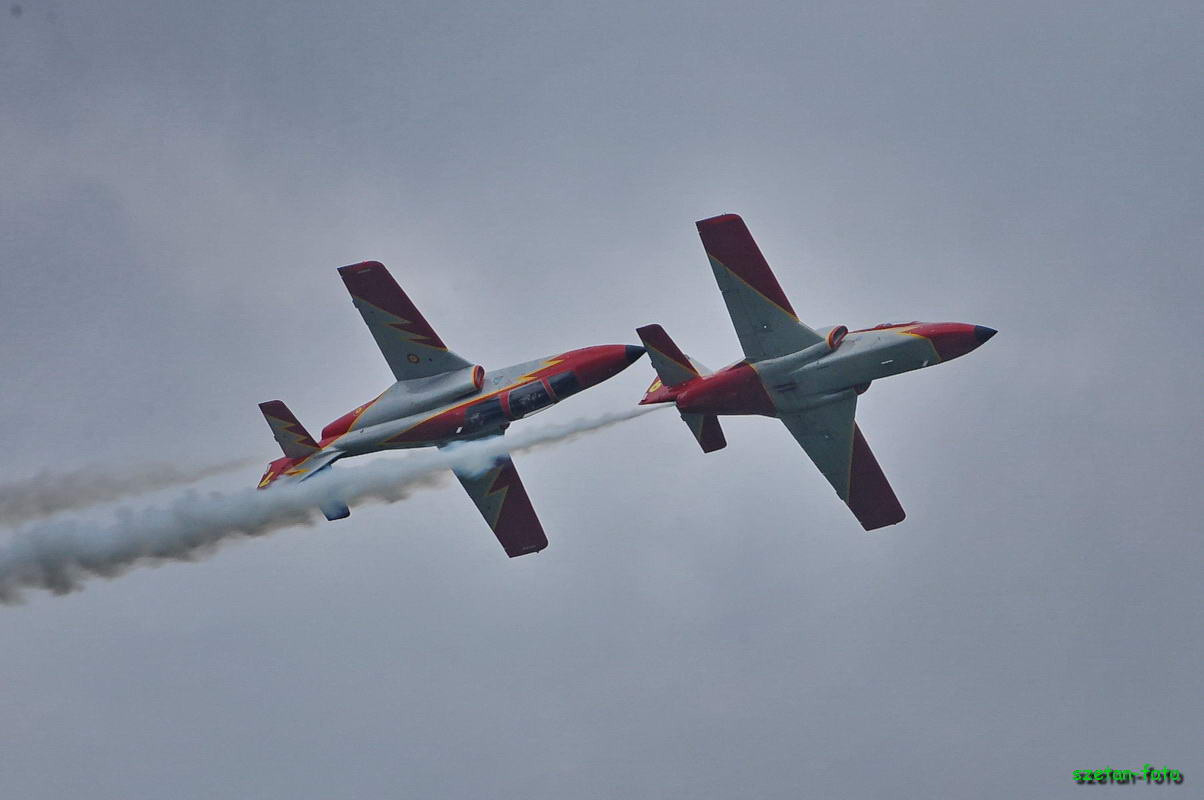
(633, 353)
(982, 333)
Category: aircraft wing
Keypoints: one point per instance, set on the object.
(834, 442)
(762, 316)
(406, 339)
(503, 502)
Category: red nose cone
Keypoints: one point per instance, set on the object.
(596, 364)
(953, 339)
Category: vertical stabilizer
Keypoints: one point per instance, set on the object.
(672, 366)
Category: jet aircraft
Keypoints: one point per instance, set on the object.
(807, 378)
(438, 399)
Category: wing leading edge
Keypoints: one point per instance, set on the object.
(831, 438)
(503, 502)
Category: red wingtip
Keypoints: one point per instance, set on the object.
(517, 527)
(727, 241)
(371, 282)
(719, 220)
(360, 266)
(654, 336)
(871, 498)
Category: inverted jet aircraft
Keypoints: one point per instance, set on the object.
(807, 378)
(438, 399)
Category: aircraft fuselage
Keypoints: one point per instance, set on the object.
(824, 372)
(426, 413)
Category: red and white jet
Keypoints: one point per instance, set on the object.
(807, 378)
(438, 399)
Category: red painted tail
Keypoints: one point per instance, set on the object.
(674, 369)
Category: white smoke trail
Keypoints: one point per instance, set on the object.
(59, 555)
(50, 493)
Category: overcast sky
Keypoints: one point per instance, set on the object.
(179, 185)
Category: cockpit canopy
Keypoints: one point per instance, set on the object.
(529, 398)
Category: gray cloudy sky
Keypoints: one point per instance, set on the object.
(180, 183)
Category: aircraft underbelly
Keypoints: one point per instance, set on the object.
(385, 436)
(796, 388)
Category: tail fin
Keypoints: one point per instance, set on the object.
(672, 365)
(675, 369)
(290, 434)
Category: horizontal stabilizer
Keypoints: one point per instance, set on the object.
(334, 509)
(331, 506)
(290, 434)
(315, 465)
(706, 430)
